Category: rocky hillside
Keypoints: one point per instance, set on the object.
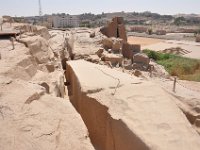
(79, 89)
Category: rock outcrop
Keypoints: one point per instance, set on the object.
(118, 118)
(36, 30)
(141, 60)
(33, 113)
(38, 48)
(115, 28)
(120, 109)
(114, 44)
(30, 119)
(81, 43)
(128, 50)
(112, 58)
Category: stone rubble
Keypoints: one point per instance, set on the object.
(115, 105)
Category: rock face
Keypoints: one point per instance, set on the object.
(142, 59)
(29, 119)
(114, 44)
(107, 43)
(128, 50)
(115, 29)
(38, 48)
(114, 59)
(116, 47)
(145, 118)
(33, 113)
(18, 63)
(37, 30)
(82, 44)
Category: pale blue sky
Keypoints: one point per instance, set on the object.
(30, 7)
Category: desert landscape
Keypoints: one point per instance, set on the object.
(192, 48)
(116, 86)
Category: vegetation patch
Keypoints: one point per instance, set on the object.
(182, 67)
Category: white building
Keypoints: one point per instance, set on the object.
(65, 21)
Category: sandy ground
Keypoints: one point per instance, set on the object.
(143, 41)
(192, 47)
(159, 45)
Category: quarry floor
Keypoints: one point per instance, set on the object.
(160, 44)
(70, 129)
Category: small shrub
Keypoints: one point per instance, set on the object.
(150, 31)
(184, 68)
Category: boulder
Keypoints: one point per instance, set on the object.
(112, 29)
(107, 43)
(39, 48)
(38, 30)
(43, 32)
(141, 59)
(128, 50)
(115, 28)
(113, 58)
(54, 80)
(18, 66)
(122, 32)
(31, 119)
(132, 113)
(116, 46)
(93, 58)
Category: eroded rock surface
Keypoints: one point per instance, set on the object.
(120, 110)
(30, 119)
(124, 112)
(33, 113)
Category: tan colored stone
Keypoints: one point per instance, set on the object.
(115, 28)
(43, 31)
(113, 58)
(107, 43)
(35, 121)
(141, 59)
(128, 50)
(122, 32)
(93, 58)
(116, 46)
(146, 118)
(38, 48)
(100, 52)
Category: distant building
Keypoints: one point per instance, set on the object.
(65, 21)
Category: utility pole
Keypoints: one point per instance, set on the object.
(40, 8)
